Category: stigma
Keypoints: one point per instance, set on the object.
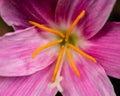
(66, 44)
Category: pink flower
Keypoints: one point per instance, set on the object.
(59, 45)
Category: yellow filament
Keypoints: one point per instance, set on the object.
(72, 62)
(74, 24)
(45, 46)
(81, 52)
(47, 29)
(57, 63)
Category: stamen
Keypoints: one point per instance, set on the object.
(58, 63)
(45, 46)
(81, 52)
(47, 29)
(74, 24)
(72, 62)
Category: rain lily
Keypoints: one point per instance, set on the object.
(59, 45)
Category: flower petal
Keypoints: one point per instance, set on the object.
(33, 85)
(64, 9)
(106, 48)
(93, 80)
(16, 52)
(97, 12)
(23, 11)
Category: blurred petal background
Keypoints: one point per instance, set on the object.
(115, 16)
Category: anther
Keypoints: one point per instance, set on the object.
(80, 16)
(81, 52)
(72, 62)
(58, 63)
(47, 29)
(38, 50)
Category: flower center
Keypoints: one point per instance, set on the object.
(67, 41)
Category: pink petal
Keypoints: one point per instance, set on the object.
(23, 11)
(106, 48)
(64, 10)
(16, 50)
(92, 82)
(33, 85)
(97, 12)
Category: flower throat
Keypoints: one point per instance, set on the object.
(66, 41)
